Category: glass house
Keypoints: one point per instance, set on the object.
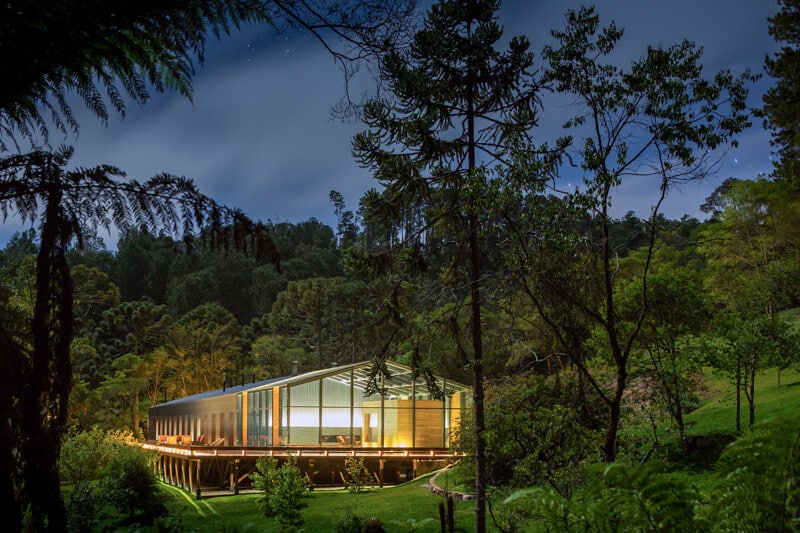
(322, 408)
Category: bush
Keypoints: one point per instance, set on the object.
(282, 490)
(355, 524)
(83, 507)
(553, 432)
(131, 485)
(357, 474)
(758, 486)
(264, 479)
(85, 454)
(351, 523)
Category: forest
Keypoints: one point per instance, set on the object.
(468, 260)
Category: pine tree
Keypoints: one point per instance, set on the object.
(460, 108)
(782, 100)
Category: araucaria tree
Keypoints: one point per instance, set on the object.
(36, 362)
(441, 147)
(657, 119)
(782, 100)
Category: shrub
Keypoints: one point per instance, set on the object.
(286, 496)
(83, 508)
(264, 479)
(131, 485)
(357, 474)
(351, 523)
(282, 490)
(85, 454)
(553, 440)
(355, 524)
(759, 480)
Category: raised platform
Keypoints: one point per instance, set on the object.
(227, 468)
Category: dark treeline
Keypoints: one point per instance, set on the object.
(468, 261)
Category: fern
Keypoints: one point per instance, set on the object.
(619, 498)
(759, 480)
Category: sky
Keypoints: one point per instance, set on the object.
(259, 135)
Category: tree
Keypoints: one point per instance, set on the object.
(460, 107)
(782, 100)
(203, 346)
(94, 294)
(668, 346)
(34, 398)
(752, 271)
(145, 263)
(137, 327)
(303, 311)
(109, 52)
(282, 489)
(657, 118)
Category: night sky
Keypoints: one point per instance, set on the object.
(259, 134)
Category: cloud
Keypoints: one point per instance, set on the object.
(258, 133)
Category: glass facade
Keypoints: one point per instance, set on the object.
(333, 409)
(259, 418)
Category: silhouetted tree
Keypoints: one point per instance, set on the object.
(34, 397)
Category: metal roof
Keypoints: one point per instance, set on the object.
(393, 385)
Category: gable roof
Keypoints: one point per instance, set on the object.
(393, 384)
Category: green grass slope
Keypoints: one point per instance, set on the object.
(404, 508)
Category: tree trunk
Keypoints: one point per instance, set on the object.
(615, 412)
(751, 398)
(478, 378)
(43, 403)
(738, 395)
(11, 362)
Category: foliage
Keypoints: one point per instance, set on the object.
(759, 479)
(264, 479)
(111, 54)
(288, 488)
(281, 491)
(781, 108)
(357, 474)
(131, 485)
(534, 433)
(85, 454)
(461, 109)
(353, 523)
(618, 498)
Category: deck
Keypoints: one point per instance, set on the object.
(205, 470)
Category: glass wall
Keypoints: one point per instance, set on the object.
(259, 418)
(337, 414)
(304, 413)
(335, 410)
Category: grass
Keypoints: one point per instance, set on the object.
(407, 507)
(717, 414)
(411, 507)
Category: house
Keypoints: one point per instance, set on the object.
(344, 411)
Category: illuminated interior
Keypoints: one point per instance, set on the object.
(329, 407)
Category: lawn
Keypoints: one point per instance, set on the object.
(411, 507)
(717, 414)
(404, 508)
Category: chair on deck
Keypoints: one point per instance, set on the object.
(219, 442)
